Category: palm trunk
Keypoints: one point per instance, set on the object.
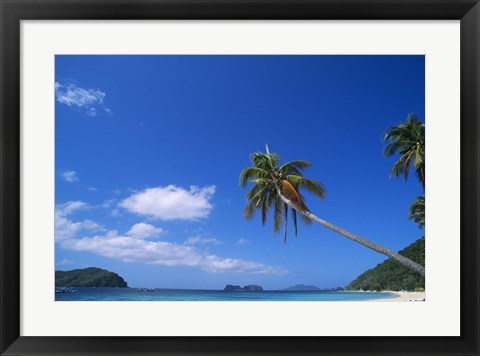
(371, 245)
(422, 171)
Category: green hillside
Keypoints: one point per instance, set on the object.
(390, 275)
(88, 277)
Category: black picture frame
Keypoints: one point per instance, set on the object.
(14, 11)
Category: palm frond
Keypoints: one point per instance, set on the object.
(261, 161)
(294, 219)
(254, 190)
(399, 166)
(407, 139)
(249, 210)
(265, 207)
(294, 166)
(420, 173)
(291, 192)
(277, 214)
(254, 197)
(312, 186)
(267, 175)
(252, 173)
(419, 155)
(274, 160)
(417, 211)
(408, 162)
(393, 148)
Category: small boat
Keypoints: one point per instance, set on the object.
(65, 290)
(146, 289)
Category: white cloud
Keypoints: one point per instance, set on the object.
(72, 95)
(90, 225)
(171, 202)
(243, 241)
(144, 231)
(70, 176)
(214, 263)
(66, 228)
(70, 207)
(92, 189)
(86, 99)
(108, 203)
(199, 240)
(65, 263)
(92, 112)
(132, 249)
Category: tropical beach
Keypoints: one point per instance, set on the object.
(185, 295)
(240, 178)
(402, 297)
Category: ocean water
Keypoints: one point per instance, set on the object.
(132, 294)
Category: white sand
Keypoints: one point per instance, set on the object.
(402, 297)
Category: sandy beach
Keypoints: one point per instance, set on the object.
(402, 297)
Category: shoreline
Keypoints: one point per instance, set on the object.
(401, 296)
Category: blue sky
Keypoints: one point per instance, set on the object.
(149, 150)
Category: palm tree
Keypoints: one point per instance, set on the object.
(417, 211)
(278, 187)
(407, 139)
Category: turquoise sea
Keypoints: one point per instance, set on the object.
(133, 294)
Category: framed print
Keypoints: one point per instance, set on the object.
(239, 177)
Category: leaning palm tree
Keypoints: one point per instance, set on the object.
(417, 211)
(278, 187)
(407, 139)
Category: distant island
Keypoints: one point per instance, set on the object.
(249, 288)
(390, 275)
(89, 277)
(302, 287)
